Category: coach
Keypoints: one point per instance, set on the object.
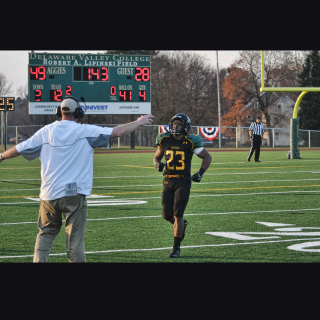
(65, 149)
(256, 131)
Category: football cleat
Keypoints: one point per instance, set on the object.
(174, 253)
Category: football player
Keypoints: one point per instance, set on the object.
(178, 147)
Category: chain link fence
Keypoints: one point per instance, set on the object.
(231, 137)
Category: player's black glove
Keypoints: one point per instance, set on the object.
(160, 166)
(198, 176)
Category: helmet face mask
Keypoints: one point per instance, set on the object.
(185, 127)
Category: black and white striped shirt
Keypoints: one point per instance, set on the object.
(257, 128)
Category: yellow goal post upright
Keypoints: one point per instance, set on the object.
(294, 122)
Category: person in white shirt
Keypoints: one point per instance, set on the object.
(65, 149)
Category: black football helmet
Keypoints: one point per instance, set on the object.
(186, 123)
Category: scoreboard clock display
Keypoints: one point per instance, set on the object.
(7, 104)
(110, 84)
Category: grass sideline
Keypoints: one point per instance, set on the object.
(241, 212)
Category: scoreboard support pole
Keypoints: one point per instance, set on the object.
(132, 134)
(6, 133)
(2, 126)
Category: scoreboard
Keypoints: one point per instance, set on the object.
(110, 84)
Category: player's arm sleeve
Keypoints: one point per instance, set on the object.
(197, 144)
(158, 140)
(99, 137)
(30, 149)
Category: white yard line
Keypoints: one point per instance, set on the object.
(195, 196)
(160, 184)
(187, 214)
(166, 248)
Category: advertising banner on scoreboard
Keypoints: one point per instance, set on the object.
(93, 108)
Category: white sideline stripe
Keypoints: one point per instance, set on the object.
(256, 172)
(4, 180)
(264, 161)
(209, 174)
(200, 183)
(187, 214)
(249, 194)
(234, 194)
(193, 163)
(161, 176)
(166, 248)
(8, 203)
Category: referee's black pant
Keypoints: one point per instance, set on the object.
(255, 147)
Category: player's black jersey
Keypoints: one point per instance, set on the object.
(178, 153)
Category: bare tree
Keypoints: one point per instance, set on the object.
(5, 90)
(5, 85)
(280, 69)
(184, 82)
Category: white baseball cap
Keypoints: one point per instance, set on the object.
(69, 105)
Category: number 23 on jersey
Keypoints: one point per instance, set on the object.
(173, 154)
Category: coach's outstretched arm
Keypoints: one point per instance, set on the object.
(11, 153)
(129, 127)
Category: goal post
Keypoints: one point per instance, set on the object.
(294, 122)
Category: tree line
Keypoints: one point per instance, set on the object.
(186, 82)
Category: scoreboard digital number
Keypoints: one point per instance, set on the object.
(110, 84)
(7, 103)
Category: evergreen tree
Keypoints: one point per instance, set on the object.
(309, 111)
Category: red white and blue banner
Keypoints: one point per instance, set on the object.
(209, 133)
(165, 128)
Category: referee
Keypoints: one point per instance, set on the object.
(256, 131)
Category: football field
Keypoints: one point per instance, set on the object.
(264, 212)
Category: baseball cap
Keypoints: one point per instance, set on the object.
(69, 105)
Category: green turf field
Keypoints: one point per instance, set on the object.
(239, 212)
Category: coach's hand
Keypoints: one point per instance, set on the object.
(198, 176)
(146, 119)
(160, 166)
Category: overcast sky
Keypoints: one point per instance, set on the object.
(14, 64)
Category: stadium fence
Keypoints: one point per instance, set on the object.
(231, 137)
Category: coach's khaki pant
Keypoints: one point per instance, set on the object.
(75, 212)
